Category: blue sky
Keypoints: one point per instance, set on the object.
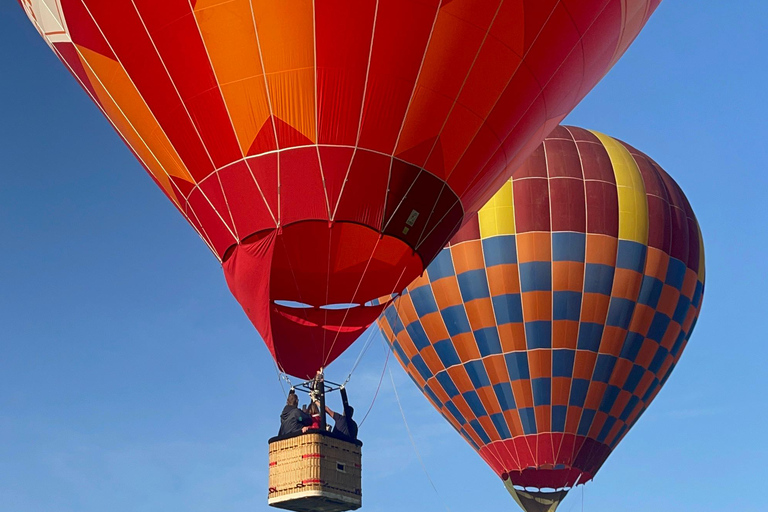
(130, 379)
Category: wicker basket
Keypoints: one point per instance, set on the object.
(315, 472)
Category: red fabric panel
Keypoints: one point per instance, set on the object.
(568, 205)
(399, 43)
(365, 189)
(199, 207)
(211, 187)
(562, 158)
(264, 171)
(302, 195)
(174, 32)
(535, 166)
(531, 205)
(68, 53)
(245, 201)
(599, 41)
(343, 33)
(247, 275)
(310, 339)
(602, 208)
(125, 32)
(334, 162)
(82, 29)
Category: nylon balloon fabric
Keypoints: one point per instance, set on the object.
(556, 314)
(327, 150)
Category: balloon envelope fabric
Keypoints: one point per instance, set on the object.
(554, 317)
(327, 150)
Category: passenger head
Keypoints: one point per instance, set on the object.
(293, 400)
(313, 410)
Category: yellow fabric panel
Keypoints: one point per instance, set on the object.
(287, 38)
(229, 34)
(122, 102)
(702, 268)
(497, 217)
(633, 203)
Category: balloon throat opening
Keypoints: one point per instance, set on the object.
(535, 499)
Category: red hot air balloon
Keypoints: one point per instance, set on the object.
(326, 151)
(557, 313)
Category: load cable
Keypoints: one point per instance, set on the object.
(413, 442)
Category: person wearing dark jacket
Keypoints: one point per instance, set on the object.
(344, 424)
(292, 419)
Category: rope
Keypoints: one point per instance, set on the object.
(365, 348)
(413, 442)
(381, 379)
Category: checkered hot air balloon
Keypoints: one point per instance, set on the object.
(327, 150)
(556, 314)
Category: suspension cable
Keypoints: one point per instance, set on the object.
(413, 442)
(376, 394)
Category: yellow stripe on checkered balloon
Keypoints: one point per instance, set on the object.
(633, 203)
(497, 217)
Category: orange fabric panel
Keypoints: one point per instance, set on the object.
(503, 279)
(565, 334)
(601, 249)
(124, 105)
(489, 400)
(434, 326)
(670, 336)
(572, 418)
(512, 337)
(656, 262)
(561, 390)
(513, 422)
(466, 347)
(467, 256)
(461, 380)
(523, 393)
(229, 35)
(621, 402)
(463, 407)
(540, 363)
(567, 276)
(543, 418)
(447, 292)
(646, 353)
(438, 390)
(407, 344)
(584, 364)
(668, 300)
(431, 359)
(689, 283)
(626, 284)
(597, 424)
(620, 372)
(537, 306)
(594, 307)
(595, 394)
(612, 340)
(480, 313)
(534, 246)
(406, 310)
(286, 37)
(641, 319)
(496, 368)
(490, 429)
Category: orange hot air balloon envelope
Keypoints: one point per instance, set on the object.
(327, 150)
(557, 313)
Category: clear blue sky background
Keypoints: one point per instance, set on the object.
(130, 380)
